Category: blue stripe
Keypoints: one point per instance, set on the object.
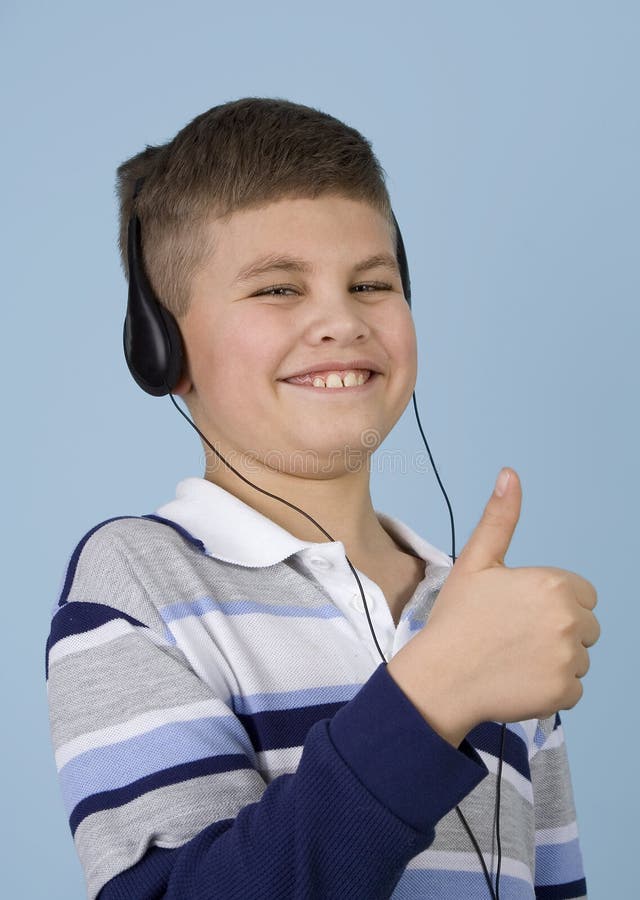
(112, 799)
(270, 701)
(540, 737)
(149, 878)
(561, 891)
(184, 609)
(519, 731)
(78, 618)
(462, 885)
(415, 620)
(487, 737)
(275, 729)
(181, 531)
(558, 863)
(108, 768)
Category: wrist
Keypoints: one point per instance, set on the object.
(429, 682)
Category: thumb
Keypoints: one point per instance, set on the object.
(490, 540)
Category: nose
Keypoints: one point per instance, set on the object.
(338, 317)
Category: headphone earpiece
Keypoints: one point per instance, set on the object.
(401, 256)
(152, 341)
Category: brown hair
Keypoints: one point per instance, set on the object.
(237, 155)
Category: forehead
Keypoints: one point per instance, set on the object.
(312, 233)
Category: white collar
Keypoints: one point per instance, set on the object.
(235, 532)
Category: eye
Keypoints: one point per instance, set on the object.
(272, 290)
(375, 287)
(278, 287)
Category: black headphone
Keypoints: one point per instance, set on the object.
(155, 356)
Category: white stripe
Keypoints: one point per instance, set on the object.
(272, 763)
(456, 861)
(522, 785)
(555, 739)
(139, 725)
(103, 634)
(257, 645)
(279, 761)
(561, 835)
(76, 643)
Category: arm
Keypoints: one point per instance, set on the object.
(559, 870)
(161, 783)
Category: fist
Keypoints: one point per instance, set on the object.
(500, 644)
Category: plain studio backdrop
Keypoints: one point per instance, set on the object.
(510, 135)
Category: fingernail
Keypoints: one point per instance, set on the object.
(502, 482)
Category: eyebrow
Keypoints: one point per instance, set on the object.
(275, 261)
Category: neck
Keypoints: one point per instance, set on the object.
(341, 504)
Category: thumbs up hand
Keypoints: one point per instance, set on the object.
(500, 644)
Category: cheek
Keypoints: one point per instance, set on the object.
(238, 354)
(405, 352)
(403, 341)
(412, 349)
(254, 345)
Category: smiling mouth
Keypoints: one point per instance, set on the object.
(333, 384)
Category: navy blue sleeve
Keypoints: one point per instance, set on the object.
(370, 787)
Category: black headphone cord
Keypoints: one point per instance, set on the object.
(495, 895)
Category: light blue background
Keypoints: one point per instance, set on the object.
(510, 135)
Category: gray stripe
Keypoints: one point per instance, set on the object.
(165, 566)
(111, 841)
(104, 573)
(517, 828)
(114, 682)
(550, 769)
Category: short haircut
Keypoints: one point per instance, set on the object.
(241, 154)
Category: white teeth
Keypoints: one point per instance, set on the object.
(333, 380)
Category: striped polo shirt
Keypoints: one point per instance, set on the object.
(223, 725)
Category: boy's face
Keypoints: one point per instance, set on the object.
(241, 343)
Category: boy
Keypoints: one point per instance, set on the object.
(222, 720)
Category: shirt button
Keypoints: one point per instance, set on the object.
(356, 603)
(319, 562)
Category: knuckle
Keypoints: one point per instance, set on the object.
(585, 664)
(588, 591)
(594, 631)
(559, 693)
(576, 693)
(568, 689)
(555, 580)
(566, 624)
(598, 629)
(585, 589)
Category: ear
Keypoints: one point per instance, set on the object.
(183, 385)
